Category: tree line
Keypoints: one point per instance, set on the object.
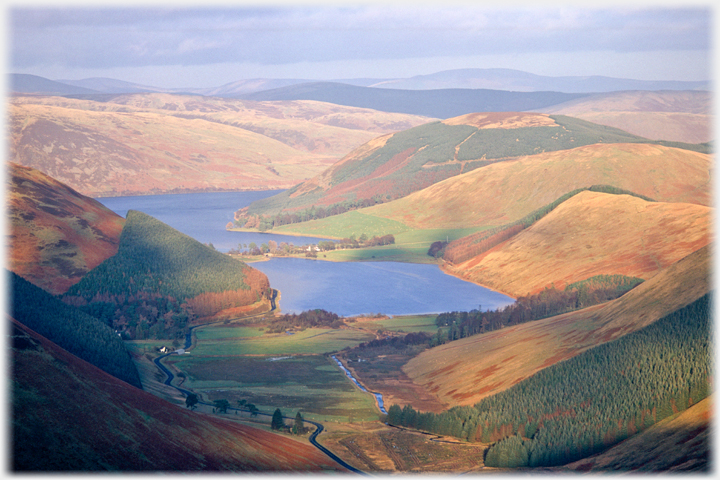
(317, 318)
(77, 332)
(590, 402)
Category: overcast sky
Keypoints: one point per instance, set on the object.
(207, 47)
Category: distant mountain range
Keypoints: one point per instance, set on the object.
(471, 78)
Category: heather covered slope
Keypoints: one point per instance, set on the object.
(69, 416)
(591, 234)
(159, 143)
(397, 165)
(56, 235)
(507, 191)
(504, 357)
(682, 116)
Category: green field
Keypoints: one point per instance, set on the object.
(405, 323)
(313, 341)
(272, 371)
(345, 225)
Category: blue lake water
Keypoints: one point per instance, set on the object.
(203, 216)
(345, 288)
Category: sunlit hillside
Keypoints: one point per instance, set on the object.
(502, 358)
(56, 235)
(591, 234)
(160, 143)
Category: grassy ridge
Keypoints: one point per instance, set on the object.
(465, 248)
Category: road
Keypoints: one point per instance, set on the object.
(318, 426)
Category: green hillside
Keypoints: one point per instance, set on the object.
(71, 329)
(581, 406)
(161, 279)
(421, 156)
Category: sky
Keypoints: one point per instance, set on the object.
(193, 46)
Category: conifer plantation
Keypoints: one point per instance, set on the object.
(161, 279)
(590, 402)
(71, 329)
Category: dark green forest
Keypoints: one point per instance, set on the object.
(590, 402)
(161, 279)
(77, 332)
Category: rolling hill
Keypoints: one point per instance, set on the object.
(505, 357)
(396, 165)
(162, 143)
(507, 191)
(56, 235)
(160, 280)
(69, 416)
(591, 234)
(682, 116)
(439, 103)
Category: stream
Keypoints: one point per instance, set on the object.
(378, 396)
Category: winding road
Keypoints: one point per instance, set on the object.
(318, 426)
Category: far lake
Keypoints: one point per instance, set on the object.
(348, 288)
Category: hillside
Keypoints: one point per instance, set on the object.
(161, 143)
(504, 357)
(679, 444)
(70, 416)
(71, 329)
(439, 103)
(393, 166)
(591, 234)
(56, 235)
(161, 279)
(682, 116)
(507, 191)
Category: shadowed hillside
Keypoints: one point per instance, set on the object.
(160, 143)
(56, 234)
(591, 234)
(69, 416)
(161, 279)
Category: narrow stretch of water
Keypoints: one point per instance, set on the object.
(378, 396)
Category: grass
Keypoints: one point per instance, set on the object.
(345, 225)
(404, 323)
(308, 383)
(310, 341)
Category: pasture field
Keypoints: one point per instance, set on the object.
(227, 332)
(403, 323)
(306, 383)
(221, 341)
(345, 225)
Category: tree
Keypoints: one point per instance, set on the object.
(191, 401)
(222, 405)
(277, 422)
(299, 427)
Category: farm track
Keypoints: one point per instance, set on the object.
(318, 426)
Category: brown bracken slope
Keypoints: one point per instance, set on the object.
(69, 416)
(465, 371)
(591, 234)
(160, 143)
(56, 235)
